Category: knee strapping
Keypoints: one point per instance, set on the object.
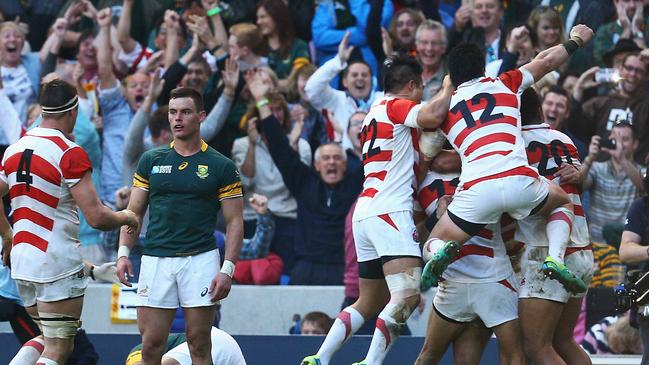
(404, 289)
(56, 325)
(37, 320)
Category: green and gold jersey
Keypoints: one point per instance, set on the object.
(174, 339)
(184, 198)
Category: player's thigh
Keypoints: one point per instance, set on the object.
(198, 324)
(526, 195)
(581, 263)
(154, 324)
(495, 303)
(373, 294)
(452, 302)
(471, 209)
(469, 346)
(556, 197)
(568, 320)
(534, 283)
(392, 235)
(538, 319)
(509, 336)
(440, 332)
(157, 287)
(195, 277)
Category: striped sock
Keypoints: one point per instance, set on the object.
(348, 322)
(29, 353)
(558, 232)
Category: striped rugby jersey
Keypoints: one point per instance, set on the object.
(390, 146)
(483, 125)
(483, 258)
(547, 149)
(40, 169)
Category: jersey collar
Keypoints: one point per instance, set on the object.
(204, 145)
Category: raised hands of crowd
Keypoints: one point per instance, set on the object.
(104, 17)
(517, 38)
(251, 130)
(78, 9)
(258, 82)
(198, 25)
(259, 203)
(462, 16)
(230, 76)
(155, 89)
(386, 42)
(344, 51)
(623, 18)
(584, 82)
(209, 4)
(298, 126)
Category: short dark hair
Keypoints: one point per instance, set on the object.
(201, 61)
(185, 92)
(55, 94)
(85, 34)
(531, 111)
(465, 62)
(398, 70)
(351, 63)
(556, 89)
(321, 319)
(159, 121)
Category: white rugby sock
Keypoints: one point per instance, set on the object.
(348, 322)
(29, 353)
(386, 333)
(558, 232)
(46, 361)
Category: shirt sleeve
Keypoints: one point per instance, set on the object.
(517, 80)
(74, 164)
(403, 111)
(636, 218)
(142, 173)
(230, 184)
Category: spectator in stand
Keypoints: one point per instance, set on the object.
(399, 37)
(630, 24)
(259, 174)
(335, 18)
(21, 74)
(613, 184)
(355, 154)
(430, 43)
(285, 52)
(609, 270)
(324, 196)
(599, 114)
(557, 108)
(357, 80)
(547, 25)
(520, 49)
(478, 22)
(613, 335)
(316, 323)
(314, 129)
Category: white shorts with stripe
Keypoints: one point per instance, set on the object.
(516, 192)
(169, 282)
(494, 303)
(391, 234)
(534, 284)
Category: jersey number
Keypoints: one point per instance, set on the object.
(557, 151)
(463, 108)
(23, 174)
(369, 133)
(442, 188)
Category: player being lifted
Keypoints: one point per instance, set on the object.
(48, 178)
(389, 256)
(483, 125)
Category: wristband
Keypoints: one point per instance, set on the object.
(571, 46)
(214, 11)
(215, 48)
(92, 272)
(228, 268)
(262, 102)
(123, 251)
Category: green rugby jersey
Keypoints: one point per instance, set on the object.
(184, 198)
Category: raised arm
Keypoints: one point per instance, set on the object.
(553, 57)
(172, 25)
(215, 120)
(317, 88)
(220, 34)
(107, 79)
(124, 27)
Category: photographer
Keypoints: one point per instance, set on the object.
(613, 184)
(634, 249)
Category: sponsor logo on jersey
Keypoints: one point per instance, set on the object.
(202, 171)
(183, 165)
(161, 169)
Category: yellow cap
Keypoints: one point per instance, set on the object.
(134, 357)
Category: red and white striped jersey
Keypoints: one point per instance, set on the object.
(483, 124)
(40, 169)
(547, 149)
(483, 258)
(390, 152)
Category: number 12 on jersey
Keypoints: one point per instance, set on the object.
(464, 107)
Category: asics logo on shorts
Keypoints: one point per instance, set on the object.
(204, 292)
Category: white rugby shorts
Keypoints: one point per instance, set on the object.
(69, 287)
(534, 284)
(169, 282)
(391, 234)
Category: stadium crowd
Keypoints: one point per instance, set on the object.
(321, 62)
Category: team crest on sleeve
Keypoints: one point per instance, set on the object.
(202, 171)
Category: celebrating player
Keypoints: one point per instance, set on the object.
(48, 177)
(547, 310)
(184, 184)
(483, 125)
(387, 247)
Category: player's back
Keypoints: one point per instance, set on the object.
(547, 149)
(483, 124)
(390, 151)
(40, 169)
(483, 257)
